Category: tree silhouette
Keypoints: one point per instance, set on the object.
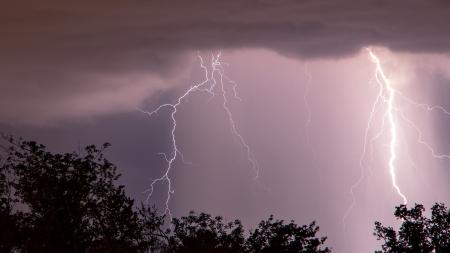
(71, 202)
(8, 224)
(154, 235)
(417, 232)
(274, 236)
(204, 233)
(66, 202)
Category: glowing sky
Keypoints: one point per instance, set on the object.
(74, 74)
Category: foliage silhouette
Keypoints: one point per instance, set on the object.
(66, 202)
(275, 236)
(417, 233)
(8, 224)
(204, 233)
(72, 203)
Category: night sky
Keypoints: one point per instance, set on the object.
(78, 73)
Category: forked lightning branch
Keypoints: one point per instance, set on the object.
(216, 85)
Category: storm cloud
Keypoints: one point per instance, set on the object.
(60, 60)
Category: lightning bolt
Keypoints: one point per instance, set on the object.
(387, 100)
(392, 121)
(214, 75)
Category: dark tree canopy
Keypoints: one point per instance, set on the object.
(67, 202)
(72, 203)
(8, 224)
(417, 233)
(276, 236)
(204, 233)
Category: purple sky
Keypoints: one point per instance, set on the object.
(73, 74)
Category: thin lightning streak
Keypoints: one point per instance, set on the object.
(424, 106)
(306, 93)
(420, 138)
(427, 108)
(374, 138)
(218, 67)
(208, 85)
(379, 99)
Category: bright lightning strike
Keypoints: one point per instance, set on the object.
(392, 121)
(387, 100)
(214, 75)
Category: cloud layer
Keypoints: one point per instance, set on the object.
(57, 57)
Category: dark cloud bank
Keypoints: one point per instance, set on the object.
(78, 55)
